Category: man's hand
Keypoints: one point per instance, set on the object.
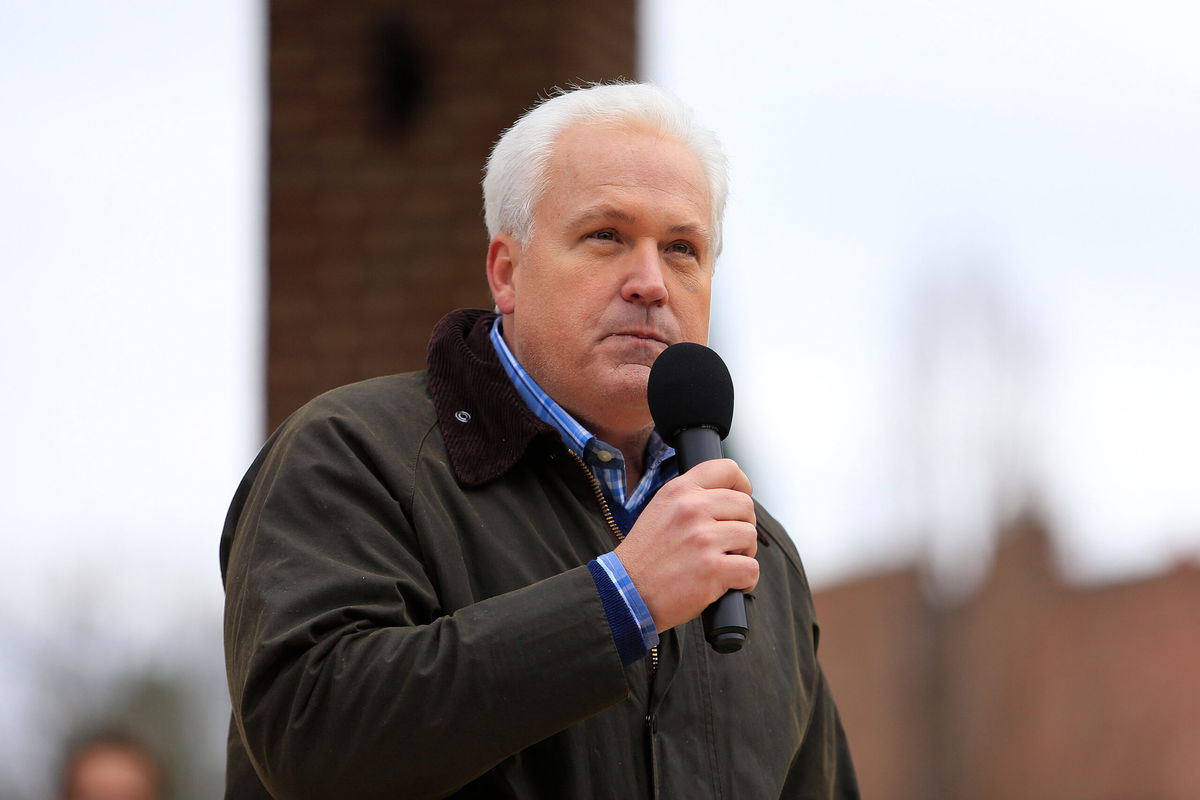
(695, 540)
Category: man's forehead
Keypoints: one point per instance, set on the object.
(594, 158)
(608, 146)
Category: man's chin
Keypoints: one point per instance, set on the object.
(634, 374)
(626, 386)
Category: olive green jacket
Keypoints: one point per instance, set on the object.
(409, 614)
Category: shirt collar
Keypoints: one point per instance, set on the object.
(574, 436)
(604, 459)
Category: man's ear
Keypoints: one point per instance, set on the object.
(502, 257)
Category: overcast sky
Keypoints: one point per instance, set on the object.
(911, 189)
(963, 250)
(130, 301)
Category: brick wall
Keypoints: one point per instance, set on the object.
(876, 652)
(381, 116)
(1031, 688)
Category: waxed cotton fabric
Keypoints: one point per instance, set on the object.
(409, 614)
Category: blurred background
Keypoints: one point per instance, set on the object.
(957, 298)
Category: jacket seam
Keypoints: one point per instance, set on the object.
(419, 450)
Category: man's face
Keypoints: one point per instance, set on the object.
(619, 266)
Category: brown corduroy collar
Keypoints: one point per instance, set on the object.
(484, 422)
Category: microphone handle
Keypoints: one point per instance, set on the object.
(694, 445)
(725, 624)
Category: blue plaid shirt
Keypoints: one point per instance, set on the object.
(608, 465)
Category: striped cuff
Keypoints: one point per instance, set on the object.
(622, 624)
(633, 600)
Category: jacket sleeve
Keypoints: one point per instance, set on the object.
(822, 768)
(346, 676)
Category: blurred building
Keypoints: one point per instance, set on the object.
(1030, 688)
(381, 116)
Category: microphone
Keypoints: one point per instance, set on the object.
(691, 399)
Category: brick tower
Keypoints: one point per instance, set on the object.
(381, 117)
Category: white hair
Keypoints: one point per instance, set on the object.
(515, 176)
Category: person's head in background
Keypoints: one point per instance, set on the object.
(111, 765)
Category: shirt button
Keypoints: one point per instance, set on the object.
(604, 456)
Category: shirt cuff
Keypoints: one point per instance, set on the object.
(615, 570)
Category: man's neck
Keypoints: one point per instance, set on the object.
(631, 443)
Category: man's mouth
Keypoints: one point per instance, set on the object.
(644, 335)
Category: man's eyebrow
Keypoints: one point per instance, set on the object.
(688, 229)
(598, 213)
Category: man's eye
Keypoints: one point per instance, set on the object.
(682, 248)
(606, 235)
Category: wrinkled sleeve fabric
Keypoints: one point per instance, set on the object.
(347, 677)
(823, 769)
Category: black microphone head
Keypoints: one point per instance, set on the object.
(689, 387)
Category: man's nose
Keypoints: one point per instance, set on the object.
(644, 282)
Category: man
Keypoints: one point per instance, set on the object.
(482, 580)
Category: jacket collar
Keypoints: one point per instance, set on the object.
(484, 423)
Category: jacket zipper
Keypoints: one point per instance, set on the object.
(651, 722)
(616, 532)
